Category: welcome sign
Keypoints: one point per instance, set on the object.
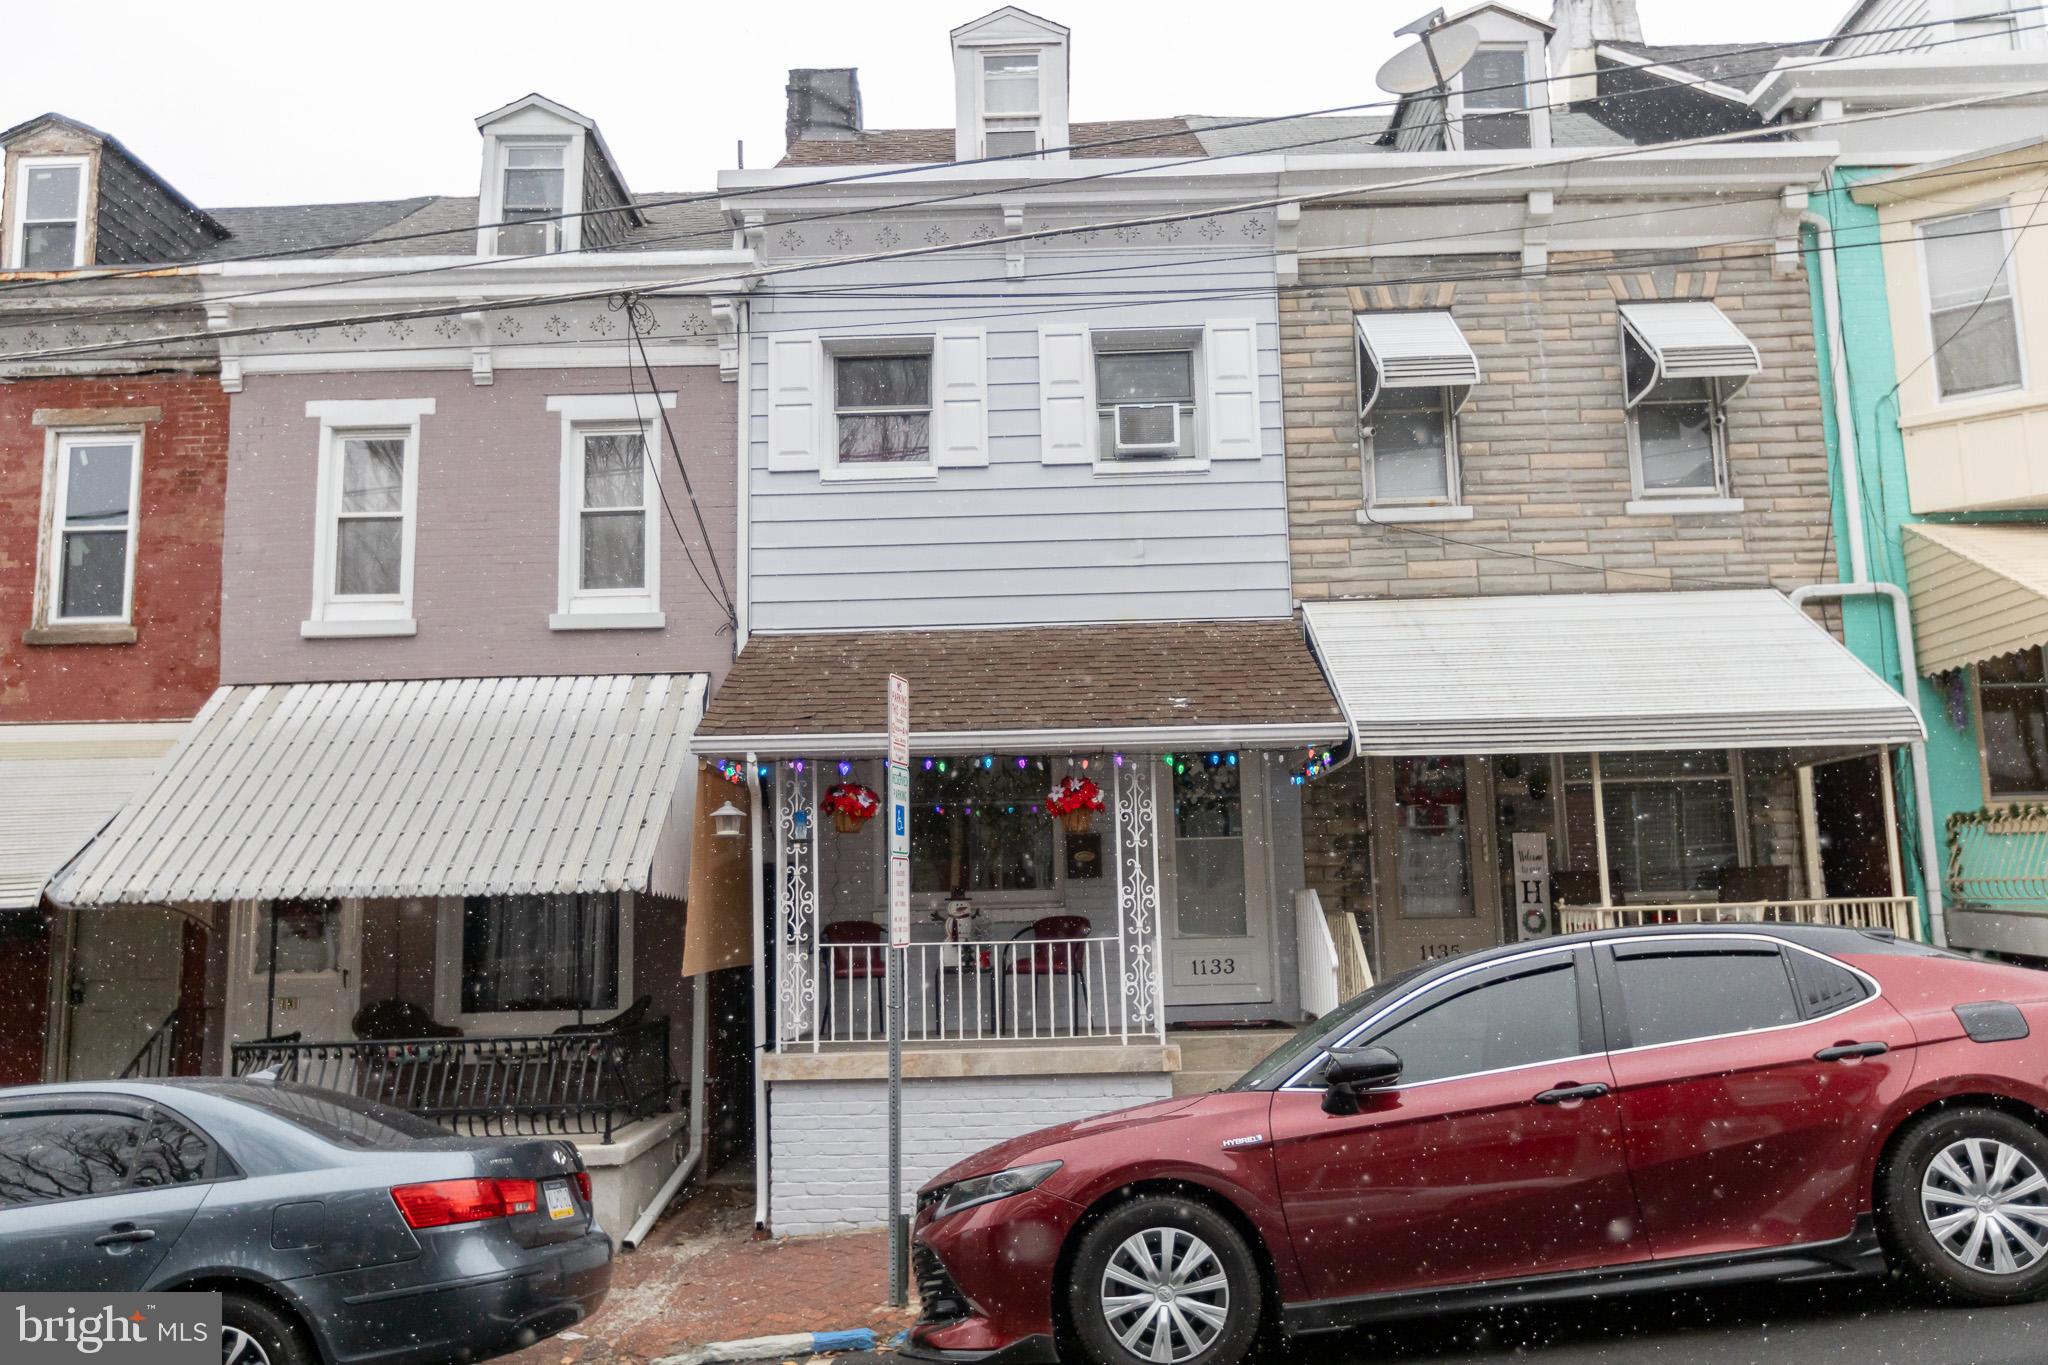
(110, 1329)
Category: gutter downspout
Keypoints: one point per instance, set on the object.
(700, 1027)
(1861, 584)
(760, 899)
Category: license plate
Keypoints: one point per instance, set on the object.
(560, 1205)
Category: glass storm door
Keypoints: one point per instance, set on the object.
(319, 950)
(1435, 897)
(1219, 916)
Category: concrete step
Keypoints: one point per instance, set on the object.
(1232, 1050)
(1202, 1082)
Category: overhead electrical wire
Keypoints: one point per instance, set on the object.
(935, 169)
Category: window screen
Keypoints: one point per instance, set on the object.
(1673, 994)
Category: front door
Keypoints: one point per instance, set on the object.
(1498, 1154)
(1220, 911)
(126, 972)
(1435, 894)
(318, 945)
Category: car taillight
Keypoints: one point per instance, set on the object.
(583, 1186)
(442, 1202)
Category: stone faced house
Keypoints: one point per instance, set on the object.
(1555, 444)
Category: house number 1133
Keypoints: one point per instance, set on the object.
(1215, 966)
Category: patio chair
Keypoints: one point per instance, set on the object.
(1051, 960)
(866, 965)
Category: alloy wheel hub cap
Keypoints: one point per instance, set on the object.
(1986, 1204)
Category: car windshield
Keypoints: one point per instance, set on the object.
(1285, 1060)
(332, 1117)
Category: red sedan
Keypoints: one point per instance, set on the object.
(1635, 1110)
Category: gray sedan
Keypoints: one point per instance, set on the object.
(334, 1230)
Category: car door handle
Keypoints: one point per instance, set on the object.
(124, 1232)
(1566, 1094)
(1842, 1052)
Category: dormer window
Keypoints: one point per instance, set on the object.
(1497, 96)
(50, 222)
(1010, 103)
(533, 199)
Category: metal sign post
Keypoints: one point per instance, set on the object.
(899, 947)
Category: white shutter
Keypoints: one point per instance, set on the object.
(796, 401)
(1230, 354)
(960, 399)
(1066, 396)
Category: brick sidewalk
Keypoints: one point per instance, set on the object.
(702, 1277)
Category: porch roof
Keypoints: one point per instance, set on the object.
(1029, 689)
(1608, 672)
(59, 785)
(441, 787)
(1978, 592)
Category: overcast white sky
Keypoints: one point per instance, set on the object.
(272, 103)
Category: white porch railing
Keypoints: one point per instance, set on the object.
(1320, 992)
(1900, 914)
(1046, 990)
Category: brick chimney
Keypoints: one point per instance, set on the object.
(1583, 25)
(824, 103)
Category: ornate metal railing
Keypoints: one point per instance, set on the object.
(158, 1055)
(1998, 859)
(552, 1083)
(1900, 914)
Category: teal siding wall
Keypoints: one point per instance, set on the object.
(1872, 368)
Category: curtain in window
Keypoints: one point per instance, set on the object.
(539, 953)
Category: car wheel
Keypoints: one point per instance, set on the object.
(1965, 1206)
(1164, 1280)
(253, 1332)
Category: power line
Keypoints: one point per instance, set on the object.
(936, 168)
(701, 282)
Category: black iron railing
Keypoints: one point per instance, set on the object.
(158, 1055)
(551, 1083)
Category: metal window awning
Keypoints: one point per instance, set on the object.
(59, 786)
(1598, 672)
(1978, 592)
(440, 787)
(1692, 339)
(1416, 350)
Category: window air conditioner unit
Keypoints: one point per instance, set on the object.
(1147, 429)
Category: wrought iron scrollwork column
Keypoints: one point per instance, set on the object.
(1135, 786)
(796, 877)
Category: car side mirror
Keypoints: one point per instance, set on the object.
(1351, 1072)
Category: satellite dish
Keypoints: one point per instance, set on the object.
(1440, 55)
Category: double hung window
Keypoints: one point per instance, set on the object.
(613, 521)
(1971, 315)
(532, 201)
(92, 529)
(1496, 97)
(50, 219)
(2012, 707)
(1010, 103)
(1146, 404)
(884, 407)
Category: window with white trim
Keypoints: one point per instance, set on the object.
(1496, 96)
(1972, 316)
(1145, 402)
(366, 516)
(532, 963)
(1410, 435)
(1011, 103)
(49, 232)
(882, 403)
(611, 508)
(533, 197)
(2012, 714)
(91, 551)
(1677, 439)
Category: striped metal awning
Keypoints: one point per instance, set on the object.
(59, 785)
(1415, 350)
(443, 787)
(1692, 339)
(1598, 672)
(1978, 592)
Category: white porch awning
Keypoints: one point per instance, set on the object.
(443, 787)
(1692, 339)
(59, 785)
(1978, 592)
(1601, 672)
(1419, 350)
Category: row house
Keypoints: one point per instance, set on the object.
(476, 584)
(113, 466)
(1044, 480)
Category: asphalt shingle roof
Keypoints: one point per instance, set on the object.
(1136, 137)
(1172, 673)
(392, 227)
(1731, 63)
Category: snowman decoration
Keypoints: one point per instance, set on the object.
(962, 920)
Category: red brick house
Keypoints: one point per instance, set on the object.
(113, 471)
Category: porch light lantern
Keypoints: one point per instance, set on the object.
(726, 821)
